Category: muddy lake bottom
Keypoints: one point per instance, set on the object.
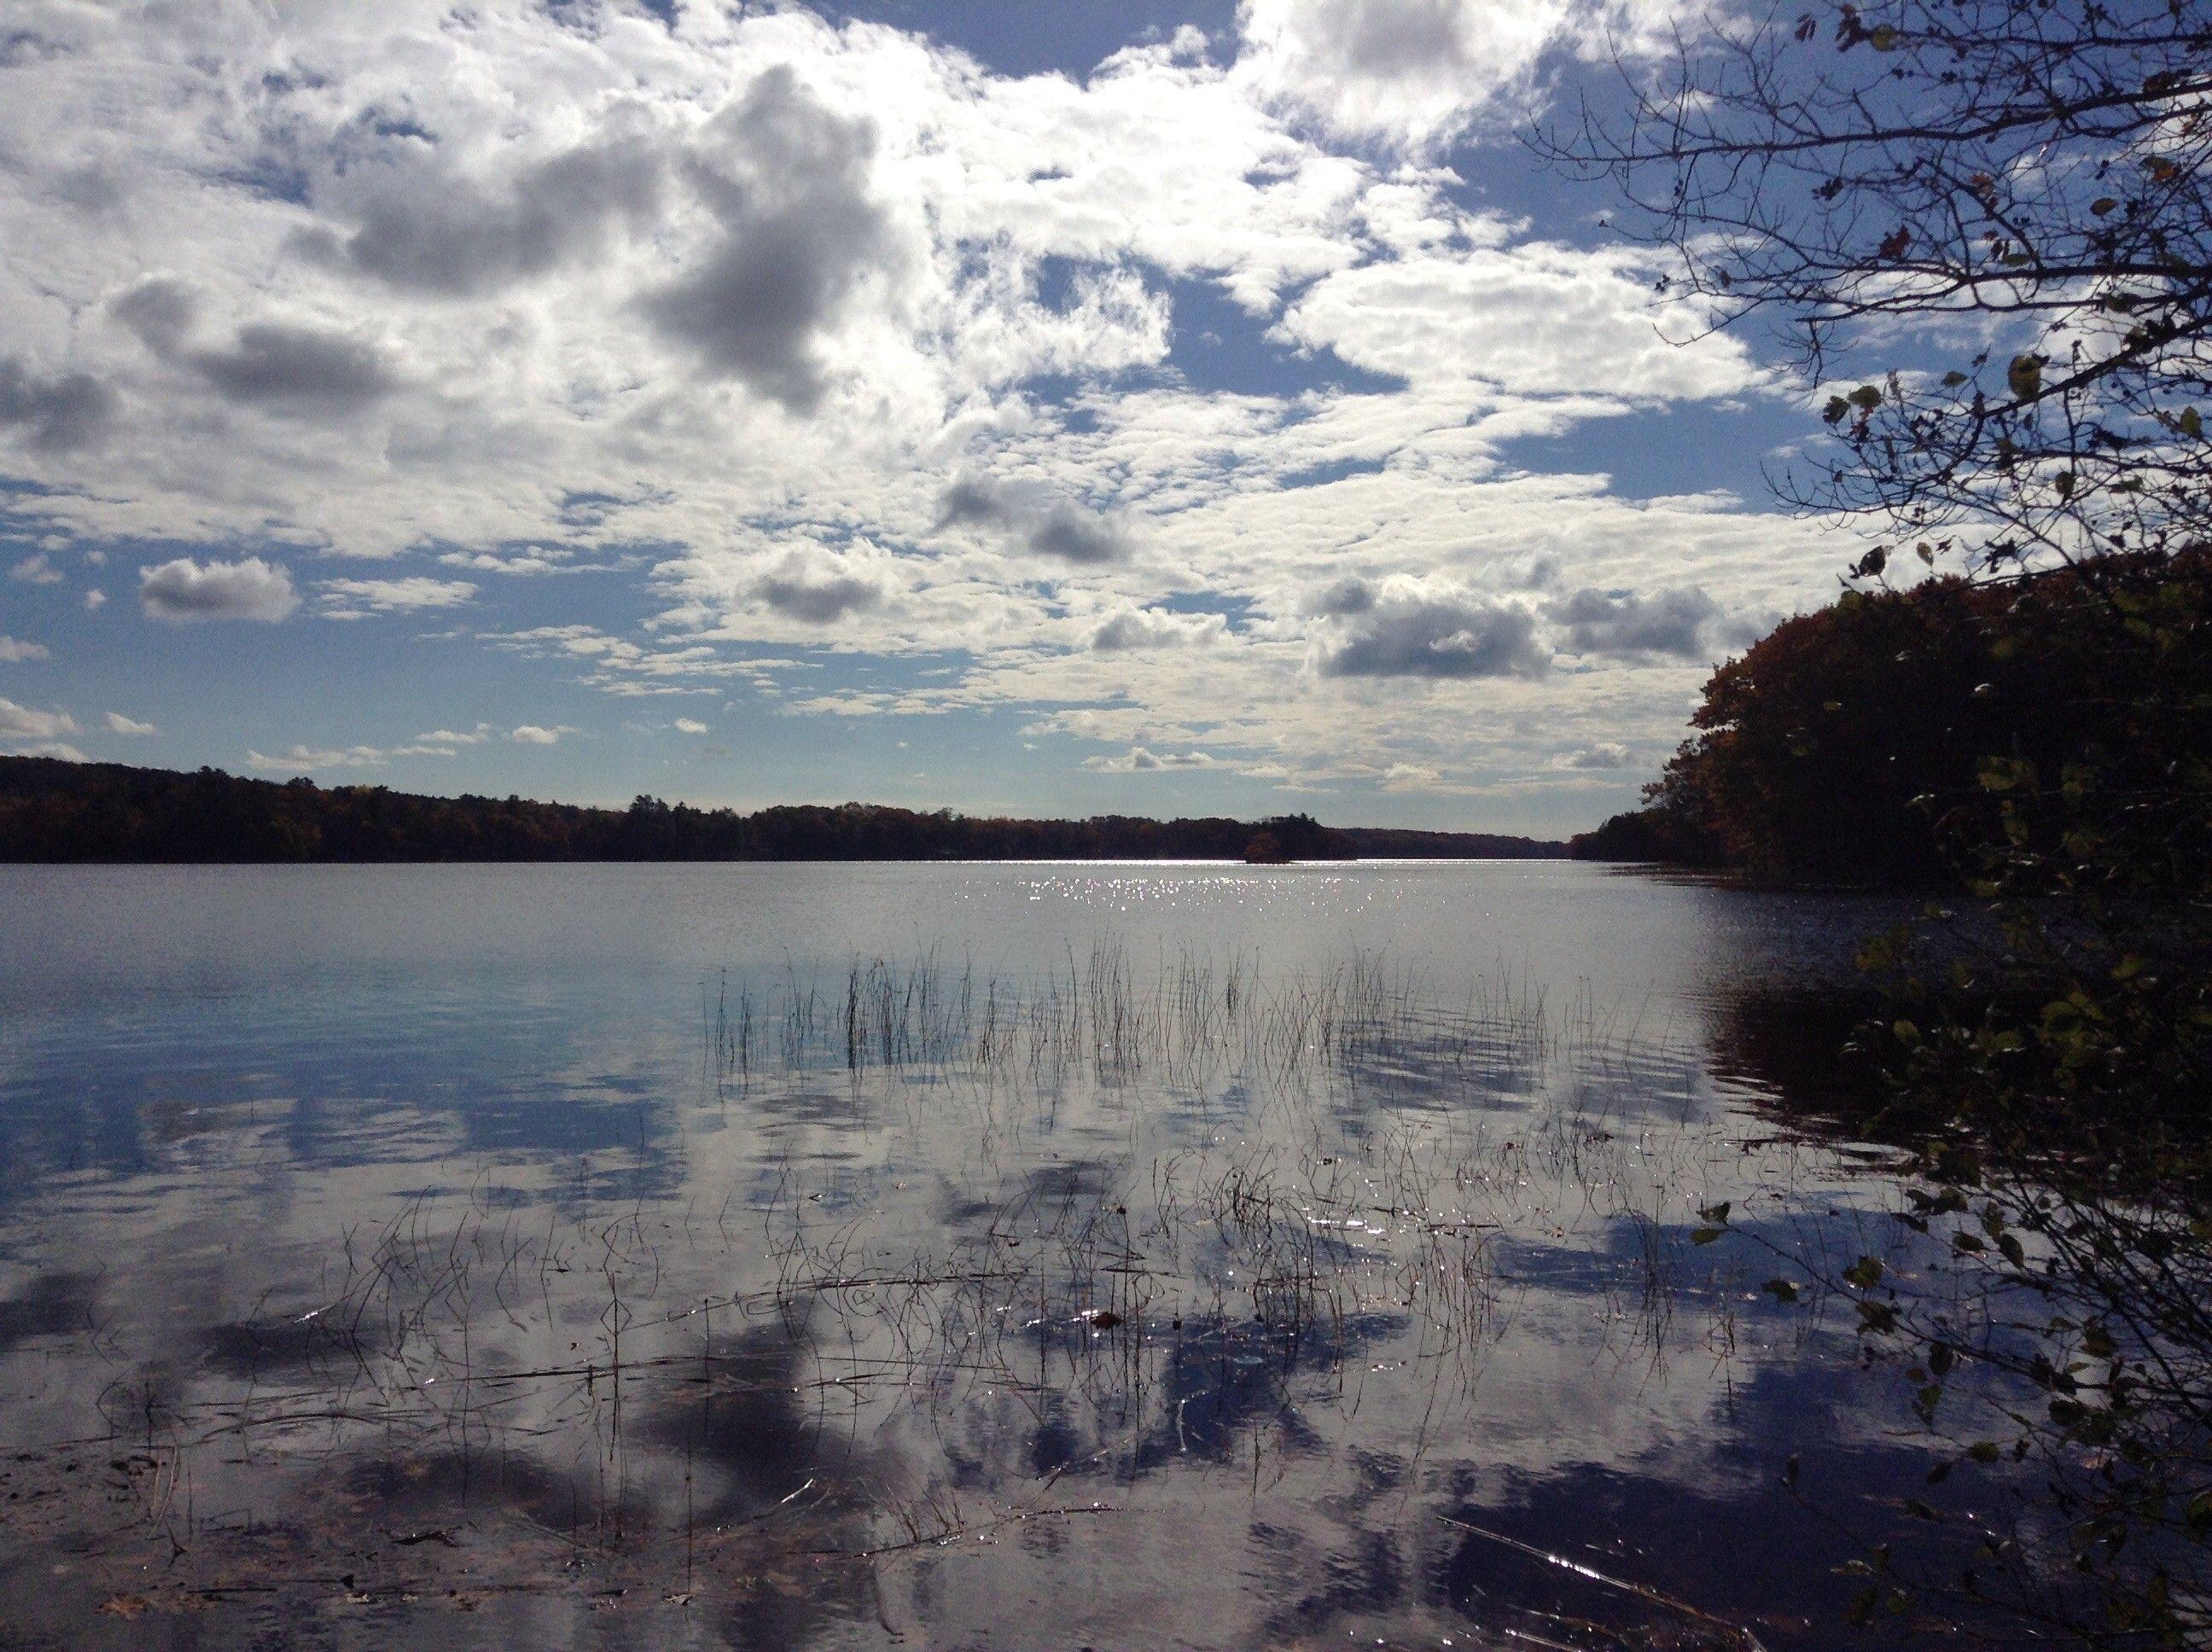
(1111, 1256)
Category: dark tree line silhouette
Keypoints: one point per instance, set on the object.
(1897, 737)
(52, 811)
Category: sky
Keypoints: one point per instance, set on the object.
(1055, 409)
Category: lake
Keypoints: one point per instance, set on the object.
(1023, 1255)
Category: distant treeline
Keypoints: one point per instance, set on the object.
(52, 811)
(1888, 738)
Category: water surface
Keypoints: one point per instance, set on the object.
(858, 1255)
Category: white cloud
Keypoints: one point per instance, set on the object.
(183, 591)
(532, 734)
(772, 325)
(1605, 754)
(1416, 73)
(304, 759)
(22, 723)
(406, 595)
(95, 600)
(690, 725)
(13, 650)
(1140, 759)
(37, 569)
(118, 723)
(1154, 628)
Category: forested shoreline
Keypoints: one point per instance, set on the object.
(53, 811)
(1893, 738)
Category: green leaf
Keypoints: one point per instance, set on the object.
(2024, 377)
(1705, 1235)
(1865, 1273)
(2193, 422)
(1781, 1289)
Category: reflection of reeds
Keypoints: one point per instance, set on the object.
(1186, 1022)
(1309, 1169)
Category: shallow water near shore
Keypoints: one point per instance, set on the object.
(1015, 1255)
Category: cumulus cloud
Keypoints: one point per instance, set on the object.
(118, 723)
(59, 413)
(95, 600)
(1140, 760)
(13, 650)
(973, 502)
(296, 369)
(1074, 535)
(1606, 754)
(690, 725)
(821, 599)
(786, 179)
(1623, 624)
(36, 569)
(423, 228)
(1060, 530)
(288, 367)
(1414, 635)
(21, 723)
(1419, 72)
(1412, 777)
(1155, 628)
(532, 734)
(184, 591)
(1345, 597)
(821, 337)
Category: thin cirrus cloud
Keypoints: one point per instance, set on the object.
(301, 758)
(185, 591)
(350, 598)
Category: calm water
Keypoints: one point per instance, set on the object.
(1013, 1256)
